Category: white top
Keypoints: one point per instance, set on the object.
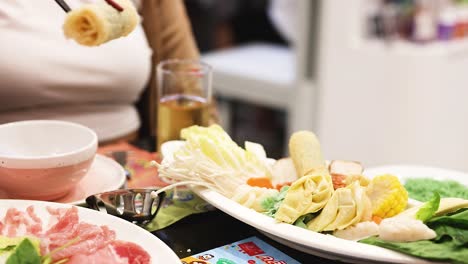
(89, 85)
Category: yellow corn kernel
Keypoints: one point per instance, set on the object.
(388, 196)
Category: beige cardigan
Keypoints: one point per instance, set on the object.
(170, 36)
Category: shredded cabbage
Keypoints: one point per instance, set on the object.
(211, 158)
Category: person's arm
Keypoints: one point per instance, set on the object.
(170, 36)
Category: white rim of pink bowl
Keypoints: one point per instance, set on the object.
(79, 155)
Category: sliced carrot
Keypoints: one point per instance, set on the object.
(260, 182)
(339, 180)
(281, 185)
(377, 219)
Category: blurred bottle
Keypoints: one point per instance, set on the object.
(405, 19)
(419, 21)
(374, 23)
(390, 11)
(461, 27)
(446, 22)
(424, 25)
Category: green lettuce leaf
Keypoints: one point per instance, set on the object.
(304, 219)
(9, 243)
(453, 227)
(428, 210)
(25, 253)
(446, 251)
(272, 203)
(458, 218)
(451, 243)
(6, 249)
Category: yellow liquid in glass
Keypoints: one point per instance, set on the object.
(179, 111)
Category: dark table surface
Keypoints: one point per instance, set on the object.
(200, 232)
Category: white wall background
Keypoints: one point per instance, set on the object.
(388, 105)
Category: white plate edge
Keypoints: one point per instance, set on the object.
(115, 186)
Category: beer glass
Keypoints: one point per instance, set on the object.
(184, 97)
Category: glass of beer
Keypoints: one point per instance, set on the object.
(184, 94)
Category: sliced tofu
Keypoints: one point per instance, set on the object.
(345, 167)
(345, 172)
(283, 171)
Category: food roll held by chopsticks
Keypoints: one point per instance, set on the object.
(100, 22)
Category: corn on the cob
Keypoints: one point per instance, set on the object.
(387, 195)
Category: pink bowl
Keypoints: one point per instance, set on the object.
(44, 159)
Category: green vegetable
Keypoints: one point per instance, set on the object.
(25, 250)
(460, 218)
(427, 249)
(6, 249)
(25, 253)
(421, 189)
(451, 243)
(58, 262)
(456, 225)
(47, 259)
(428, 210)
(304, 219)
(9, 243)
(272, 203)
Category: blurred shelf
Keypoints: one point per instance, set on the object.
(453, 48)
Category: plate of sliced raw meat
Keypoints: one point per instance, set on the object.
(71, 234)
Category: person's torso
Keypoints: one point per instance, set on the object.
(38, 66)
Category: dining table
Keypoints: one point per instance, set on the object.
(200, 232)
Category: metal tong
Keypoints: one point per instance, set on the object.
(138, 206)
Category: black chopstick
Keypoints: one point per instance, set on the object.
(63, 5)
